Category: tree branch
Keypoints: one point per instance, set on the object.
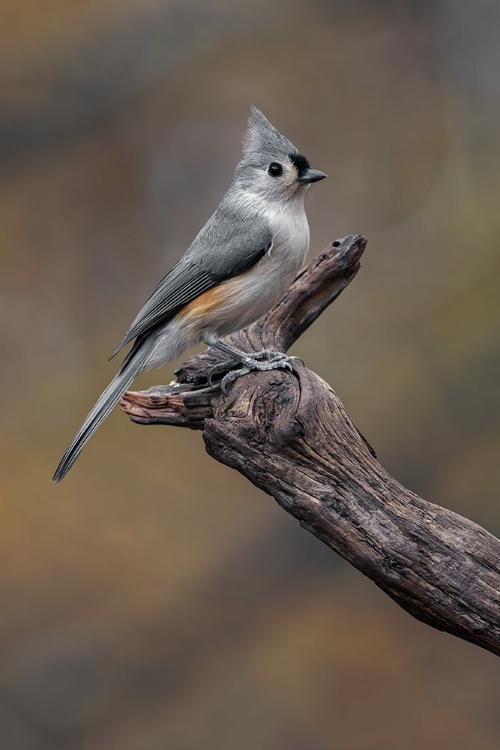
(290, 435)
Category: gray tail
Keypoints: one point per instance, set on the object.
(133, 364)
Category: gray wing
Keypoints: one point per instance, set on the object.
(226, 247)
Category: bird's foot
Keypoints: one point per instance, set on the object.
(218, 369)
(274, 356)
(266, 359)
(275, 361)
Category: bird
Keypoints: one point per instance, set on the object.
(238, 266)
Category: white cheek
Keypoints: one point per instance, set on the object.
(290, 179)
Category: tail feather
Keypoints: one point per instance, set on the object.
(131, 367)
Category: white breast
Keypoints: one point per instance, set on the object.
(290, 231)
(254, 293)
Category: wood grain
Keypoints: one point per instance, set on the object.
(290, 435)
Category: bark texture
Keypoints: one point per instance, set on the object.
(290, 435)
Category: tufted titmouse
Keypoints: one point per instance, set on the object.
(239, 265)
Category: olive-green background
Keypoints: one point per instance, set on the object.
(155, 600)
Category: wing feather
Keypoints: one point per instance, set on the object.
(167, 299)
(194, 274)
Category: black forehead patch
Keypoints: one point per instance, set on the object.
(299, 161)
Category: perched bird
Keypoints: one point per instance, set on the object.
(238, 266)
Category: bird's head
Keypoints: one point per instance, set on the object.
(272, 167)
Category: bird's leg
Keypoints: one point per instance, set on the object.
(266, 359)
(236, 356)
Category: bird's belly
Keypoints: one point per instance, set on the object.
(250, 296)
(240, 301)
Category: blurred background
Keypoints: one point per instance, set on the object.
(155, 599)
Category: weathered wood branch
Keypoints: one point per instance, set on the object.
(290, 435)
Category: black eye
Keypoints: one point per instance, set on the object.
(275, 169)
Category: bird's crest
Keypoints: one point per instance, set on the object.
(262, 138)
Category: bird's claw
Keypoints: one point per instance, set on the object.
(275, 356)
(298, 359)
(231, 376)
(279, 362)
(217, 369)
(263, 361)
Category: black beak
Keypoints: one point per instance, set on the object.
(307, 176)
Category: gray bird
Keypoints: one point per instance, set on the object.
(238, 266)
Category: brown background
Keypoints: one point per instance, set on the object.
(155, 600)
